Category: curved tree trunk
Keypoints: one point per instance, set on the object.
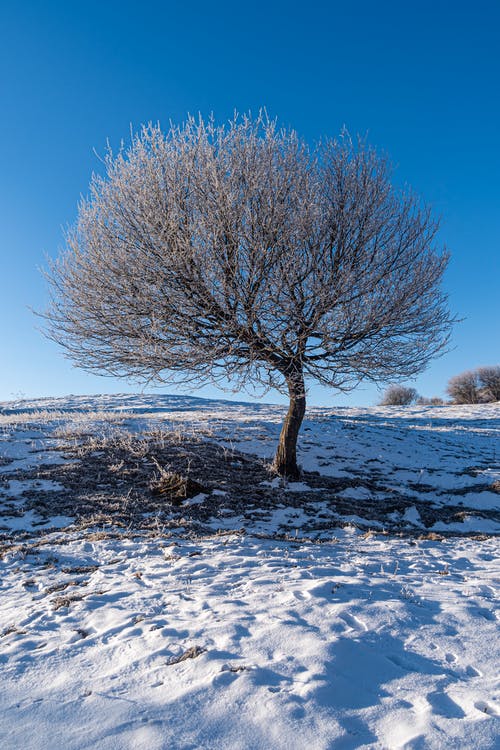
(285, 461)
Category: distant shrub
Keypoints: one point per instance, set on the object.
(489, 382)
(475, 386)
(399, 395)
(464, 388)
(434, 401)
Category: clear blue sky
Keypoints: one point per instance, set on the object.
(422, 79)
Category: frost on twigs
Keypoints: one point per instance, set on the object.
(239, 253)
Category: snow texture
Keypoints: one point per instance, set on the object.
(302, 625)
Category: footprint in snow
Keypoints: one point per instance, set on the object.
(471, 671)
(445, 706)
(301, 595)
(483, 612)
(486, 708)
(353, 622)
(403, 663)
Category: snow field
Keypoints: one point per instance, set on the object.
(363, 642)
(239, 638)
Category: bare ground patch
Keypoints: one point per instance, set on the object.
(161, 481)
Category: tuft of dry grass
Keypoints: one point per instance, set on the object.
(65, 601)
(191, 653)
(175, 487)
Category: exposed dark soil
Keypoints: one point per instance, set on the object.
(148, 484)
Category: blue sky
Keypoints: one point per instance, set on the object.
(421, 79)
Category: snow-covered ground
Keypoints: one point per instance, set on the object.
(356, 608)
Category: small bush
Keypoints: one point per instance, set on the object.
(434, 401)
(399, 395)
(489, 382)
(476, 386)
(174, 487)
(464, 388)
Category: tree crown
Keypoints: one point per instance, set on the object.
(238, 252)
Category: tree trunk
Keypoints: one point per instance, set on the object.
(285, 461)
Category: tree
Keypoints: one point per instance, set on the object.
(399, 395)
(238, 253)
(489, 381)
(464, 388)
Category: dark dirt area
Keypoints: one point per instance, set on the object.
(149, 483)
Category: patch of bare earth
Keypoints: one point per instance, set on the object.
(148, 482)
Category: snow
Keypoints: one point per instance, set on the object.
(305, 625)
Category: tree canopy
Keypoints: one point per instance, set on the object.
(238, 252)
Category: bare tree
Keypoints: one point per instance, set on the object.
(464, 388)
(399, 395)
(238, 253)
(489, 380)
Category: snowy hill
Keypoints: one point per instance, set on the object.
(356, 608)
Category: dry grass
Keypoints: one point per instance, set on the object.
(191, 653)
